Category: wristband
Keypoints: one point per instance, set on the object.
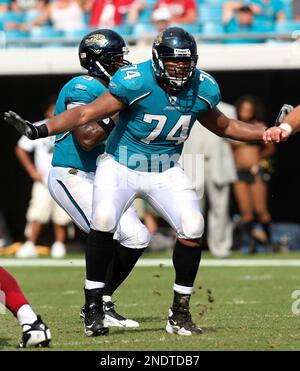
(287, 127)
(107, 125)
(37, 132)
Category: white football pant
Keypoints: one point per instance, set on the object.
(73, 189)
(170, 193)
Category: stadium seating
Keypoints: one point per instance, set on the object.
(208, 26)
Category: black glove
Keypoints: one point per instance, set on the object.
(284, 111)
(25, 127)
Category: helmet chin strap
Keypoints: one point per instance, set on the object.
(176, 81)
(103, 70)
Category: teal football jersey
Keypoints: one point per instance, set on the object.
(67, 151)
(149, 135)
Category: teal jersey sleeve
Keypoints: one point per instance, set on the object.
(208, 89)
(130, 83)
(80, 90)
(67, 150)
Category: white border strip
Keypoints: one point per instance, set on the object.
(155, 263)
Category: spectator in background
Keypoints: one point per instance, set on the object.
(146, 33)
(30, 9)
(109, 13)
(263, 10)
(41, 206)
(269, 10)
(219, 174)
(4, 6)
(239, 20)
(182, 11)
(161, 18)
(296, 10)
(251, 189)
(64, 15)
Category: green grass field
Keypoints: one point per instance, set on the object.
(250, 308)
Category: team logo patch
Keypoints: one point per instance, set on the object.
(158, 40)
(97, 41)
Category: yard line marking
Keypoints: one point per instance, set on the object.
(155, 263)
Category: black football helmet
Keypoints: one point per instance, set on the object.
(102, 52)
(174, 42)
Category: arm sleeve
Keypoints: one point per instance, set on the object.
(209, 90)
(128, 85)
(83, 92)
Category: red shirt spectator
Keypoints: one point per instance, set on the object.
(110, 12)
(182, 11)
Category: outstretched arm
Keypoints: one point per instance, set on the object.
(105, 106)
(92, 134)
(289, 125)
(223, 126)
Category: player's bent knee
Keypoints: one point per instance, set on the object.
(192, 224)
(138, 240)
(143, 238)
(104, 218)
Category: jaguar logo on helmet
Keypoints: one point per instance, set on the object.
(98, 40)
(158, 40)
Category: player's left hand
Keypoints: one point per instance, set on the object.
(275, 134)
(24, 127)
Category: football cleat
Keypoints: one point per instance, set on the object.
(92, 313)
(180, 323)
(36, 334)
(113, 319)
(93, 320)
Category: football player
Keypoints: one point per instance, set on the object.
(70, 181)
(35, 331)
(158, 102)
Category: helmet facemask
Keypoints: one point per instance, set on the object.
(109, 62)
(174, 56)
(178, 71)
(175, 70)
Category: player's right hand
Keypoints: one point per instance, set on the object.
(24, 127)
(275, 134)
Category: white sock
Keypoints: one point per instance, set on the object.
(90, 285)
(26, 315)
(106, 298)
(183, 289)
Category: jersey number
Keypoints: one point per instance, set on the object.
(131, 72)
(183, 124)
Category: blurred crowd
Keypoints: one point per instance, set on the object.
(140, 20)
